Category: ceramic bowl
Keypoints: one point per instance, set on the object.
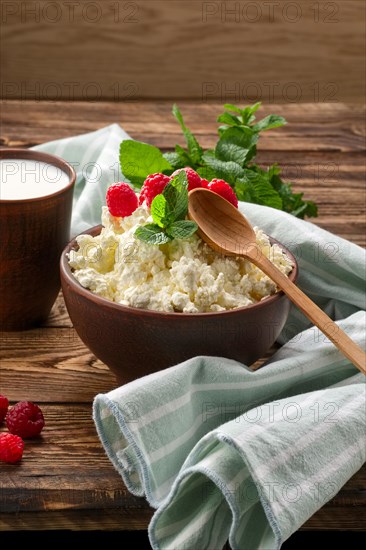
(135, 342)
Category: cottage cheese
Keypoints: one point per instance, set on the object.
(184, 276)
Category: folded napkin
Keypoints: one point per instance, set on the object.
(220, 451)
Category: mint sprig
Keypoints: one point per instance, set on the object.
(151, 233)
(168, 211)
(232, 159)
(141, 159)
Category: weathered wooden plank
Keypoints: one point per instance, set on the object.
(65, 468)
(74, 520)
(50, 364)
(329, 519)
(326, 127)
(283, 51)
(58, 439)
(342, 518)
(197, 112)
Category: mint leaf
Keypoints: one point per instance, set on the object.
(182, 229)
(176, 196)
(174, 160)
(255, 187)
(138, 160)
(206, 172)
(184, 156)
(273, 170)
(247, 114)
(229, 171)
(311, 210)
(231, 107)
(152, 234)
(231, 120)
(271, 121)
(194, 148)
(160, 210)
(237, 144)
(243, 136)
(291, 202)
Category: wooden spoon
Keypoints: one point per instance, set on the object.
(226, 230)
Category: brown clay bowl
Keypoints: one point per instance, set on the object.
(134, 342)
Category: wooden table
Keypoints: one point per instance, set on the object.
(65, 480)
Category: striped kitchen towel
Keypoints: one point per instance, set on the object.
(220, 451)
(223, 452)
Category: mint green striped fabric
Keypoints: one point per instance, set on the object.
(95, 159)
(220, 451)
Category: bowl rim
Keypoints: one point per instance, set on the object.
(67, 276)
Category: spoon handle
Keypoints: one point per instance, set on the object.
(339, 338)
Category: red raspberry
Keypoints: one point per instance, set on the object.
(142, 196)
(224, 190)
(121, 200)
(153, 185)
(25, 419)
(194, 180)
(205, 183)
(4, 404)
(11, 448)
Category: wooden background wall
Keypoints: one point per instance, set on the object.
(277, 51)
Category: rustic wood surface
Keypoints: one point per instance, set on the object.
(218, 50)
(65, 481)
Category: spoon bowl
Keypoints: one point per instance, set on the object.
(220, 224)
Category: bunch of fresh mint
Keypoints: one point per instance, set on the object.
(169, 210)
(232, 160)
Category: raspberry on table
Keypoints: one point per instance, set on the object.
(121, 200)
(194, 180)
(25, 419)
(153, 185)
(11, 448)
(223, 189)
(4, 404)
